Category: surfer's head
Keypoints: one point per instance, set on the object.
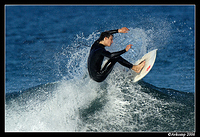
(106, 38)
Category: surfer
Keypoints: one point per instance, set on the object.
(98, 52)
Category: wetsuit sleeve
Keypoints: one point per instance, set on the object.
(114, 54)
(113, 31)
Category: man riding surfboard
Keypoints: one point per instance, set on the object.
(98, 52)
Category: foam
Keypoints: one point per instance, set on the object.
(57, 113)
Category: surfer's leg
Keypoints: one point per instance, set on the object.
(108, 66)
(138, 68)
(102, 75)
(124, 62)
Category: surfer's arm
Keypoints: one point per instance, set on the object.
(113, 31)
(113, 54)
(128, 47)
(122, 30)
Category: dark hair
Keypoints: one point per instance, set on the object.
(104, 34)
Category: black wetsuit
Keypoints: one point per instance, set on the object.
(95, 59)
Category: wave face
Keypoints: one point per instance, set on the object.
(77, 103)
(84, 105)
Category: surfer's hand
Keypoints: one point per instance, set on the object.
(123, 30)
(128, 47)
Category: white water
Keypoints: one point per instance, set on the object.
(89, 106)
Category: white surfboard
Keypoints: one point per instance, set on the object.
(149, 58)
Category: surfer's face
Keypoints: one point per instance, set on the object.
(108, 41)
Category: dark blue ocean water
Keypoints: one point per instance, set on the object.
(48, 44)
(34, 34)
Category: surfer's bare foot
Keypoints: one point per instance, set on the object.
(138, 68)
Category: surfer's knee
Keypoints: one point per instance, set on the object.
(99, 79)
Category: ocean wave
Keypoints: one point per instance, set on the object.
(85, 105)
(77, 103)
